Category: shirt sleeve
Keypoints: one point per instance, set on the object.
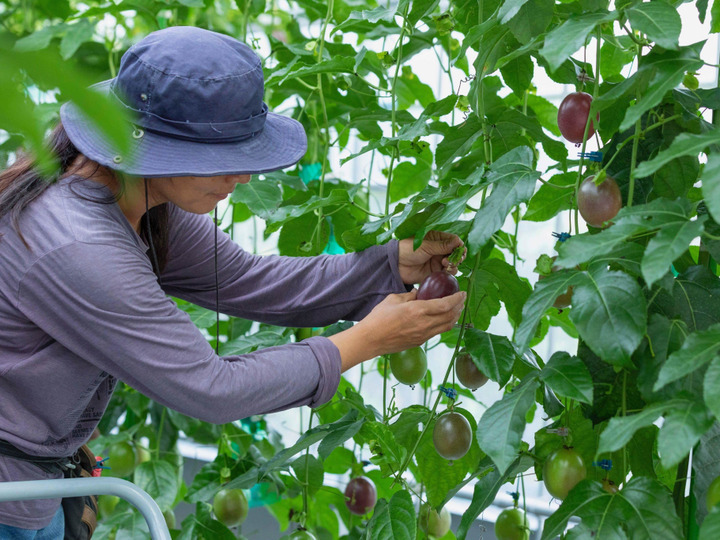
(103, 303)
(285, 291)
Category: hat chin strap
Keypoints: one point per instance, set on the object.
(217, 288)
(156, 266)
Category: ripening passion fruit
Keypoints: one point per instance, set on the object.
(599, 204)
(438, 285)
(452, 435)
(573, 115)
(468, 373)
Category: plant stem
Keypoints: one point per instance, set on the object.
(386, 360)
(636, 142)
(393, 101)
(307, 466)
(410, 455)
(321, 95)
(159, 433)
(596, 91)
(679, 490)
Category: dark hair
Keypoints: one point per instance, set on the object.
(22, 183)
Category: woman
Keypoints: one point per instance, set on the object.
(89, 262)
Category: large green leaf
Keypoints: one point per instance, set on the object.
(202, 526)
(710, 179)
(659, 20)
(711, 388)
(542, 298)
(699, 349)
(621, 429)
(514, 182)
(439, 475)
(681, 430)
(495, 281)
(551, 198)
(706, 466)
(309, 472)
(493, 355)
(668, 69)
(262, 198)
(394, 520)
(642, 510)
(567, 38)
(160, 480)
(710, 528)
(610, 314)
(567, 376)
(499, 432)
(667, 245)
(457, 142)
(685, 144)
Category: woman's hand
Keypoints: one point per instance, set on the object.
(431, 256)
(397, 323)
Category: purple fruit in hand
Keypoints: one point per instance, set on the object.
(438, 285)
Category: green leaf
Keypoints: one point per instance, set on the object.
(532, 20)
(340, 433)
(685, 144)
(711, 388)
(706, 467)
(643, 509)
(668, 69)
(610, 314)
(499, 432)
(457, 142)
(666, 246)
(514, 182)
(549, 200)
(620, 429)
(699, 349)
(159, 480)
(490, 481)
(567, 38)
(614, 56)
(675, 178)
(40, 39)
(394, 520)
(659, 20)
(542, 298)
(262, 198)
(309, 471)
(518, 74)
(710, 179)
(76, 35)
(495, 281)
(567, 376)
(681, 430)
(436, 473)
(493, 355)
(710, 528)
(509, 9)
(304, 236)
(202, 526)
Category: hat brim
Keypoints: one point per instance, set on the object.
(280, 144)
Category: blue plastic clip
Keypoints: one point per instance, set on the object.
(562, 236)
(100, 464)
(451, 393)
(515, 495)
(597, 157)
(604, 464)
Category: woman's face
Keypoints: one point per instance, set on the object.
(196, 194)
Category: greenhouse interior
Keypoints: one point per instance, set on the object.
(358, 269)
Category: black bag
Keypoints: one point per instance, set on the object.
(80, 512)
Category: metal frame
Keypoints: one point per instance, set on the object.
(78, 487)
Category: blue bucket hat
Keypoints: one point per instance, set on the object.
(196, 97)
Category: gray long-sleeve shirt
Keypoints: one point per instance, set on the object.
(82, 308)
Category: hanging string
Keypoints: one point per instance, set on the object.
(217, 290)
(148, 231)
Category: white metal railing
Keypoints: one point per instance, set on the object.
(79, 487)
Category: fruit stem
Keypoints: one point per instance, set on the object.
(393, 101)
(406, 463)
